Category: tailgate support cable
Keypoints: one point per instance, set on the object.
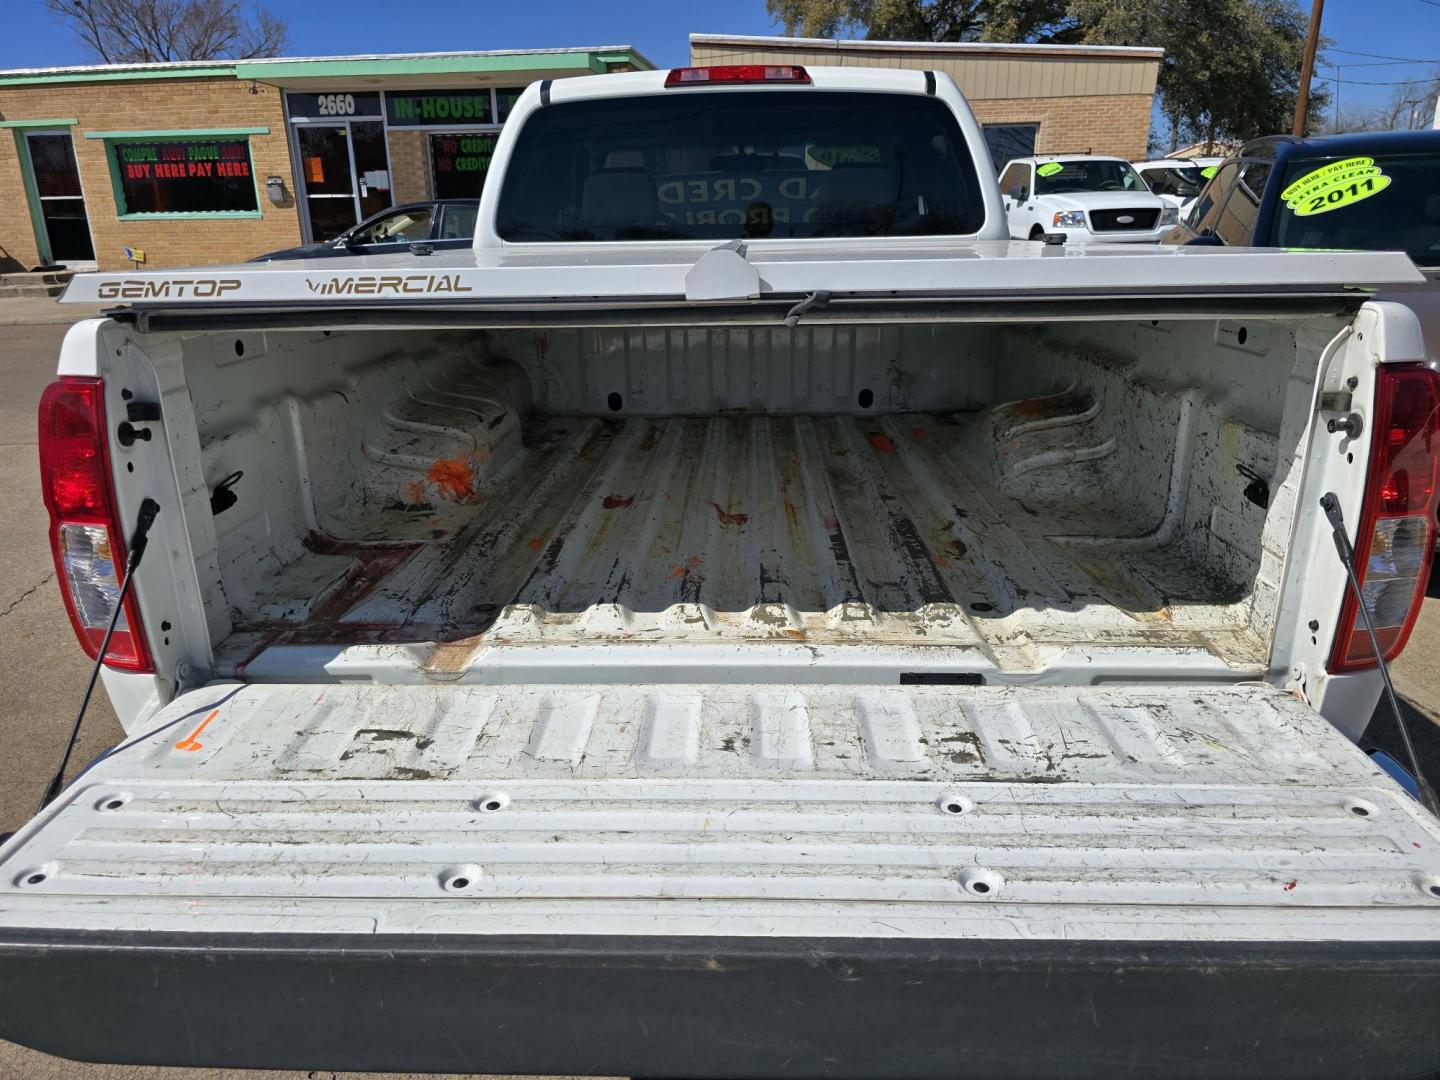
(1331, 505)
(817, 299)
(149, 508)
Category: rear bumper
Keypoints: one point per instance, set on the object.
(725, 1007)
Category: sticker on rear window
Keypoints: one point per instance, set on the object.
(1336, 185)
(827, 157)
(1050, 168)
(1209, 171)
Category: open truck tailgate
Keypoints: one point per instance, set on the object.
(707, 880)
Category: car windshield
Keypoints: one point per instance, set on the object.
(1182, 180)
(411, 224)
(1389, 202)
(1064, 177)
(754, 164)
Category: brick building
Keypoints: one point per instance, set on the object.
(1029, 98)
(196, 163)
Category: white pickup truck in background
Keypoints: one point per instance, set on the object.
(747, 617)
(1085, 199)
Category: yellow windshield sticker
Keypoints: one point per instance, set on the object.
(1336, 185)
(1208, 171)
(1050, 168)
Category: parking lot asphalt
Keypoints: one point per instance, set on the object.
(43, 671)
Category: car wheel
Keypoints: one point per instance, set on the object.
(1037, 233)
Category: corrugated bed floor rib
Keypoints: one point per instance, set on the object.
(807, 528)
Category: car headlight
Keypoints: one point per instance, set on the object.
(1069, 219)
(1170, 215)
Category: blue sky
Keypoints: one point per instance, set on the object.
(1405, 29)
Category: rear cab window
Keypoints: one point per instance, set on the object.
(1384, 202)
(713, 165)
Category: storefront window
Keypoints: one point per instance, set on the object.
(459, 163)
(189, 176)
(505, 101)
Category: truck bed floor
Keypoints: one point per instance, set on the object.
(802, 529)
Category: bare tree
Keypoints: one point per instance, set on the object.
(150, 31)
(1412, 104)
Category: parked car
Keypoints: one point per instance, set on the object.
(1175, 180)
(1084, 198)
(745, 618)
(441, 223)
(1370, 191)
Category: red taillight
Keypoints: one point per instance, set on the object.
(737, 73)
(1396, 535)
(85, 536)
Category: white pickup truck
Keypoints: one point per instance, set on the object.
(1084, 199)
(747, 617)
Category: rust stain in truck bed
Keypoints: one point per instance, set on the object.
(454, 479)
(727, 518)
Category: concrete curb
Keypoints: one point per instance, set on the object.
(43, 311)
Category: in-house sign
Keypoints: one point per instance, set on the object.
(438, 108)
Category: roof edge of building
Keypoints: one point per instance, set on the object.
(194, 69)
(1129, 52)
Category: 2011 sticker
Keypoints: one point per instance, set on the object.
(1334, 186)
(1209, 171)
(1050, 168)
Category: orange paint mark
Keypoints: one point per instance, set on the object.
(882, 442)
(679, 570)
(189, 742)
(727, 518)
(941, 560)
(797, 635)
(535, 543)
(1291, 885)
(919, 434)
(832, 523)
(618, 502)
(454, 477)
(414, 493)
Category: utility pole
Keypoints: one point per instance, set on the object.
(1307, 67)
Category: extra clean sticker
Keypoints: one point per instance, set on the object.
(1209, 171)
(1050, 168)
(1334, 186)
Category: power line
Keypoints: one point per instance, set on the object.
(1380, 63)
(1382, 56)
(1376, 82)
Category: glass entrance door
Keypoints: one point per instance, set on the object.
(62, 203)
(344, 171)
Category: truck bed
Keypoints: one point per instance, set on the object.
(817, 530)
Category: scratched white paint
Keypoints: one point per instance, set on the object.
(1159, 812)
